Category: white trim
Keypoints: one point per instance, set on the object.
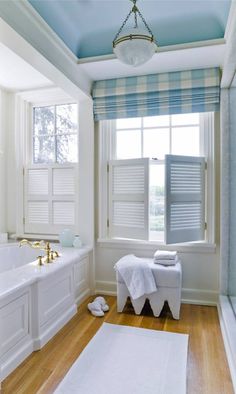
(49, 333)
(38, 51)
(46, 96)
(228, 330)
(208, 123)
(105, 133)
(19, 357)
(224, 190)
(230, 21)
(190, 247)
(22, 114)
(26, 8)
(189, 296)
(229, 65)
(106, 153)
(167, 48)
(82, 297)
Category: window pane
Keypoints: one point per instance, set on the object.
(185, 141)
(43, 120)
(157, 206)
(67, 149)
(128, 144)
(156, 121)
(44, 149)
(130, 123)
(66, 118)
(156, 143)
(184, 119)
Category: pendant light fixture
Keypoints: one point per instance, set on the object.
(134, 46)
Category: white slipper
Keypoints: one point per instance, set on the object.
(102, 302)
(95, 308)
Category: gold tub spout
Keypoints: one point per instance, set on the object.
(34, 245)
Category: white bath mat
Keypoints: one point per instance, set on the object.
(125, 360)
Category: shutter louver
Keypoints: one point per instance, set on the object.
(63, 181)
(129, 198)
(50, 198)
(185, 199)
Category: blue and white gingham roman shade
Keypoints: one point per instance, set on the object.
(157, 94)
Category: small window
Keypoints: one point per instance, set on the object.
(55, 134)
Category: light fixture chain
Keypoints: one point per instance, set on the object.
(145, 23)
(122, 26)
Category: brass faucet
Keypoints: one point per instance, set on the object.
(42, 245)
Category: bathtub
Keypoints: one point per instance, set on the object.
(37, 301)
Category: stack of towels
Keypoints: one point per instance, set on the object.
(165, 257)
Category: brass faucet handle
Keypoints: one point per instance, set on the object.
(40, 260)
(54, 254)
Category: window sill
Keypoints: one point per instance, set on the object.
(190, 247)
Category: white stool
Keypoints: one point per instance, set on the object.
(168, 281)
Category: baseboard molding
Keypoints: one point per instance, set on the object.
(105, 287)
(19, 356)
(189, 296)
(199, 297)
(228, 330)
(83, 296)
(53, 328)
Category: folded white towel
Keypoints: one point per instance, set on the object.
(166, 262)
(165, 255)
(137, 275)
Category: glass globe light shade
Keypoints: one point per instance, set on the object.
(135, 47)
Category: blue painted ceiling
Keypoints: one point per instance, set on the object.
(88, 27)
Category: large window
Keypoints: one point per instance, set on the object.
(55, 134)
(153, 138)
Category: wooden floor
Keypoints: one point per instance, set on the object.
(208, 372)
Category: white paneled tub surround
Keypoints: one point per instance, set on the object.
(36, 302)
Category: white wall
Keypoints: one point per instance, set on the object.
(2, 161)
(11, 161)
(7, 162)
(200, 272)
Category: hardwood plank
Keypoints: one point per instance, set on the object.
(208, 371)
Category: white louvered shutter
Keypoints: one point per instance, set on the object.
(129, 199)
(185, 199)
(50, 196)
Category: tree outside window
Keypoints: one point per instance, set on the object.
(55, 135)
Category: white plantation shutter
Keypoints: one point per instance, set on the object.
(129, 198)
(185, 199)
(50, 198)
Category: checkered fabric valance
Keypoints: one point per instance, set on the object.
(157, 94)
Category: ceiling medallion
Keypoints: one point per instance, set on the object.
(134, 46)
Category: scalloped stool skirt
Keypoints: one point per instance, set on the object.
(169, 282)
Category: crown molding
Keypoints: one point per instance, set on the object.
(23, 24)
(169, 48)
(28, 10)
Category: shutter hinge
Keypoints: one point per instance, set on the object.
(23, 220)
(23, 170)
(205, 165)
(205, 226)
(107, 222)
(107, 167)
